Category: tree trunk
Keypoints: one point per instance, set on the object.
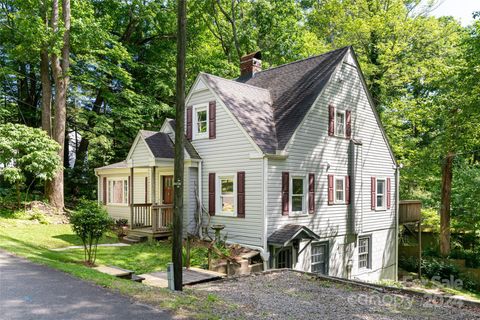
(179, 146)
(60, 70)
(46, 93)
(446, 193)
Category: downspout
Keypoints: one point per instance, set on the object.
(265, 252)
(397, 208)
(199, 188)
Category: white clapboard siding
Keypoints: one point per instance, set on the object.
(229, 153)
(313, 151)
(141, 155)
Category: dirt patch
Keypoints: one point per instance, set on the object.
(51, 214)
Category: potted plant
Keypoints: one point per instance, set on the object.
(121, 226)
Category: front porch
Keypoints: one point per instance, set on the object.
(150, 221)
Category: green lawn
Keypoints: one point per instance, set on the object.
(34, 241)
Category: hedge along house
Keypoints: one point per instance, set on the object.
(292, 160)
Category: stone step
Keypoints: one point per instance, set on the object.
(137, 278)
(257, 267)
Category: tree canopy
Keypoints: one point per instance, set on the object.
(422, 72)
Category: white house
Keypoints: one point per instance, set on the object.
(292, 160)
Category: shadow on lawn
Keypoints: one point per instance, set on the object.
(72, 239)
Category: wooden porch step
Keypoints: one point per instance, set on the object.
(133, 238)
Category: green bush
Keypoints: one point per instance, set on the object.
(409, 264)
(90, 222)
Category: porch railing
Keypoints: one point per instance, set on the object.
(162, 217)
(141, 216)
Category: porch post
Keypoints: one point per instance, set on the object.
(131, 197)
(153, 181)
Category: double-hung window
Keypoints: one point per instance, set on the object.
(118, 191)
(381, 194)
(364, 254)
(200, 121)
(298, 194)
(340, 123)
(227, 195)
(339, 189)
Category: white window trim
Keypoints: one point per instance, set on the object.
(305, 195)
(195, 110)
(335, 178)
(218, 195)
(125, 180)
(344, 123)
(369, 252)
(384, 207)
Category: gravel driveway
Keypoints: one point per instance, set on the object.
(291, 295)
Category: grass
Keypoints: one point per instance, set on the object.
(34, 241)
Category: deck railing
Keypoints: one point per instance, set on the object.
(141, 216)
(162, 217)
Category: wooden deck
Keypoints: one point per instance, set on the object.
(190, 277)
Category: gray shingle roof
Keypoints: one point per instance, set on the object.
(289, 232)
(159, 143)
(117, 165)
(162, 145)
(294, 87)
(271, 104)
(252, 106)
(188, 145)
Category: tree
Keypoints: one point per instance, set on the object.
(27, 154)
(90, 222)
(60, 64)
(179, 145)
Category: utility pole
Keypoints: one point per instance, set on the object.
(179, 146)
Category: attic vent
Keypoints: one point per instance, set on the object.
(250, 64)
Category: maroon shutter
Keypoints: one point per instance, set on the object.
(330, 189)
(331, 120)
(129, 190)
(311, 193)
(104, 184)
(212, 115)
(189, 123)
(285, 193)
(241, 194)
(347, 189)
(211, 194)
(389, 193)
(374, 193)
(146, 189)
(348, 130)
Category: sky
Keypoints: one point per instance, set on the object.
(460, 9)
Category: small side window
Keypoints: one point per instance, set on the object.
(364, 254)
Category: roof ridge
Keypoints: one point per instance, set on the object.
(304, 59)
(236, 82)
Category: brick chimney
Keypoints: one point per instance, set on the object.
(250, 64)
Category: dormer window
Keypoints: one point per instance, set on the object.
(200, 122)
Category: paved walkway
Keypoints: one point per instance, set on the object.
(33, 292)
(119, 244)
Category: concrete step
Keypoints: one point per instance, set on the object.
(137, 278)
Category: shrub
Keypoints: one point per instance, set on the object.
(409, 264)
(438, 268)
(90, 222)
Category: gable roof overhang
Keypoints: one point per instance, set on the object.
(287, 233)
